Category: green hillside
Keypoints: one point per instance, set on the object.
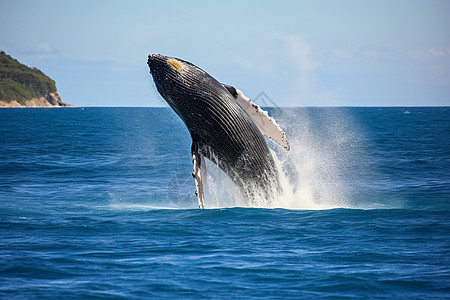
(19, 82)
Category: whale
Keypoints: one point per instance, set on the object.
(226, 128)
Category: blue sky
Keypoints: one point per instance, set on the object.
(299, 53)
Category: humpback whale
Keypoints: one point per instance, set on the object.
(226, 127)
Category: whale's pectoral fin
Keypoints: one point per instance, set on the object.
(199, 175)
(266, 124)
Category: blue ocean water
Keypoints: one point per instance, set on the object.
(99, 203)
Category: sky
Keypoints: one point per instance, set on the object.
(281, 53)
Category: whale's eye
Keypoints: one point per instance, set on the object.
(176, 65)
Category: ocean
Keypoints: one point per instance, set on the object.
(99, 203)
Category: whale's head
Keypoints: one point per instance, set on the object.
(168, 74)
(184, 86)
(174, 77)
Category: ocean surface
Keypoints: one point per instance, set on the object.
(99, 203)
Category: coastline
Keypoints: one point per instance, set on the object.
(49, 100)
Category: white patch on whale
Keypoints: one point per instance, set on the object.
(265, 123)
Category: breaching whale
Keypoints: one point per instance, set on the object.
(225, 126)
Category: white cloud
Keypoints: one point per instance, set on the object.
(41, 51)
(300, 52)
(44, 48)
(438, 52)
(433, 65)
(428, 54)
(306, 89)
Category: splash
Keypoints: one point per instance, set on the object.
(316, 173)
(314, 169)
(324, 169)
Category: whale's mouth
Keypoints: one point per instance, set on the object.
(153, 61)
(157, 64)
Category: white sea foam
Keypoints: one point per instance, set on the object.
(315, 174)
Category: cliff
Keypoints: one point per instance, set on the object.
(21, 86)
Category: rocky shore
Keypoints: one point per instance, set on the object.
(49, 100)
